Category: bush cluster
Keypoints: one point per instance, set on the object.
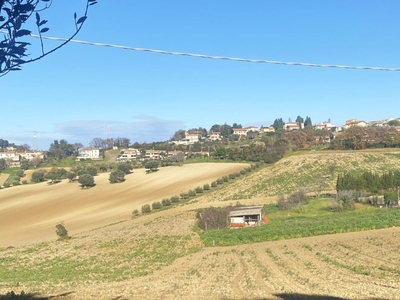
(61, 232)
(199, 190)
(214, 218)
(296, 199)
(146, 209)
(156, 205)
(166, 202)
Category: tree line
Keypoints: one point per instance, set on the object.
(368, 181)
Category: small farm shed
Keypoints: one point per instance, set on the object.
(246, 216)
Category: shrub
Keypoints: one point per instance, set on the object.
(243, 172)
(146, 209)
(125, 167)
(297, 198)
(213, 218)
(86, 180)
(390, 198)
(166, 202)
(71, 176)
(237, 174)
(151, 165)
(156, 205)
(24, 181)
(192, 193)
(103, 168)
(214, 184)
(184, 196)
(62, 173)
(199, 190)
(344, 201)
(91, 170)
(117, 176)
(206, 187)
(37, 176)
(225, 178)
(220, 181)
(232, 176)
(135, 212)
(61, 232)
(174, 199)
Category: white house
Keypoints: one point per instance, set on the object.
(129, 154)
(12, 158)
(354, 122)
(89, 153)
(324, 126)
(289, 126)
(214, 136)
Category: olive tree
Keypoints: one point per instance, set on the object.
(117, 176)
(86, 180)
(37, 176)
(151, 165)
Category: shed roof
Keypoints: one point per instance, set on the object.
(243, 211)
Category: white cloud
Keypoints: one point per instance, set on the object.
(143, 128)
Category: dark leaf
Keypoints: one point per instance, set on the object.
(75, 16)
(2, 18)
(17, 51)
(23, 8)
(22, 32)
(8, 11)
(22, 44)
(43, 22)
(93, 3)
(44, 30)
(37, 19)
(81, 20)
(24, 18)
(15, 69)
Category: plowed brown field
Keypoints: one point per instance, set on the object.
(360, 265)
(29, 213)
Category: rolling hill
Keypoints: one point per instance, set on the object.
(159, 255)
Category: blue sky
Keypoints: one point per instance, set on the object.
(80, 90)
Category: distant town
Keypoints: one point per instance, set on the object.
(299, 134)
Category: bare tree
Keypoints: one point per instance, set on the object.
(98, 143)
(319, 186)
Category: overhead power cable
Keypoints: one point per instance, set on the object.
(274, 62)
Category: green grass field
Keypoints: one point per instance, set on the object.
(318, 219)
(12, 172)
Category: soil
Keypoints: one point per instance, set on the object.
(359, 265)
(29, 213)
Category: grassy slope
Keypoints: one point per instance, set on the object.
(301, 170)
(316, 219)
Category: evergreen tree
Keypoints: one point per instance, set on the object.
(278, 124)
(299, 120)
(307, 122)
